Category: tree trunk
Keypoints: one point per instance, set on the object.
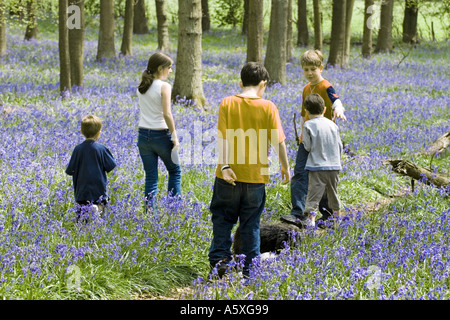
(245, 17)
(76, 47)
(140, 20)
(348, 31)
(410, 22)
(188, 75)
(255, 36)
(127, 38)
(289, 35)
(64, 57)
(318, 37)
(384, 41)
(32, 28)
(206, 20)
(106, 47)
(275, 61)
(366, 48)
(337, 45)
(2, 29)
(409, 169)
(163, 26)
(302, 25)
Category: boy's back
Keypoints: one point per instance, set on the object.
(88, 165)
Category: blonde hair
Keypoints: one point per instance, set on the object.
(312, 58)
(90, 126)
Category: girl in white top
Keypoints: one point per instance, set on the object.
(157, 134)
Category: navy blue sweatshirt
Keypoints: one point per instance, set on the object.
(88, 166)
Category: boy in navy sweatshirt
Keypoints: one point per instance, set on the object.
(88, 165)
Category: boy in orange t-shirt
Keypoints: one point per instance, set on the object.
(312, 64)
(247, 124)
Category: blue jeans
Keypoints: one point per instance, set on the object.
(154, 144)
(299, 187)
(245, 202)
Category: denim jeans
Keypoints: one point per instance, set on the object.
(245, 202)
(154, 144)
(299, 187)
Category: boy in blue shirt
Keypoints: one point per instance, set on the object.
(88, 165)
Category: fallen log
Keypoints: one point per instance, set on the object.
(440, 144)
(407, 168)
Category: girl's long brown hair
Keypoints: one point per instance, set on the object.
(154, 62)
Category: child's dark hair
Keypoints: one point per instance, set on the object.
(156, 60)
(90, 126)
(314, 104)
(253, 73)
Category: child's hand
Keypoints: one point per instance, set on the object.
(176, 145)
(339, 114)
(285, 175)
(229, 176)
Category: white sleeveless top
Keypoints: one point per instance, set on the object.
(150, 104)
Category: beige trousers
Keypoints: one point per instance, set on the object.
(319, 181)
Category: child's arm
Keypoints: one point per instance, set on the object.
(306, 139)
(227, 174)
(167, 112)
(283, 157)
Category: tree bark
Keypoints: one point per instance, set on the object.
(140, 20)
(245, 17)
(206, 20)
(410, 22)
(106, 47)
(188, 75)
(289, 35)
(407, 168)
(32, 28)
(366, 49)
(64, 57)
(384, 41)
(337, 45)
(126, 48)
(348, 31)
(275, 61)
(302, 25)
(2, 29)
(255, 36)
(76, 48)
(163, 26)
(318, 37)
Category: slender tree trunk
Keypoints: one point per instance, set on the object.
(32, 28)
(302, 25)
(206, 21)
(337, 45)
(140, 20)
(255, 36)
(163, 26)
(289, 35)
(318, 37)
(2, 29)
(126, 48)
(348, 31)
(245, 17)
(64, 57)
(275, 61)
(410, 22)
(106, 47)
(366, 48)
(384, 41)
(188, 75)
(76, 47)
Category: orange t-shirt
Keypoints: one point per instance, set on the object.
(250, 126)
(326, 91)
